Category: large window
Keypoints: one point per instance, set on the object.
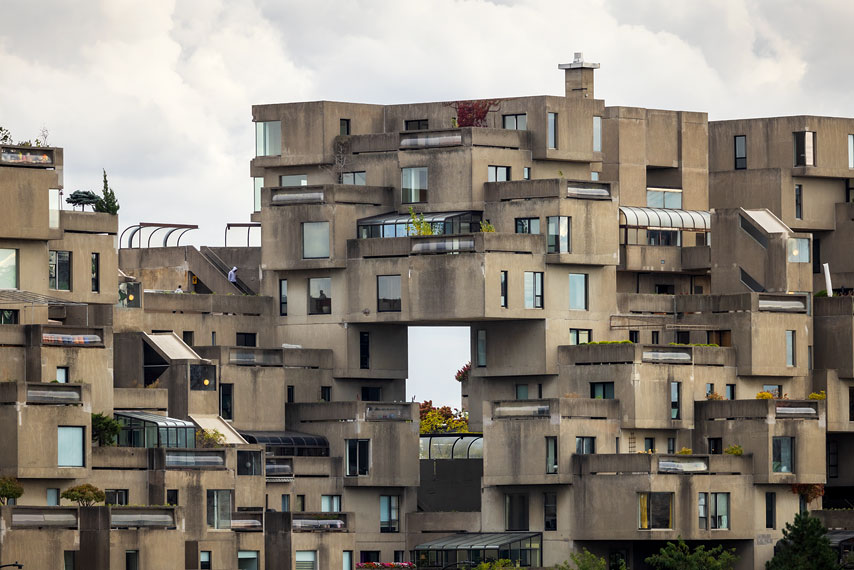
(578, 291)
(388, 293)
(498, 174)
(249, 463)
(283, 297)
(315, 240)
(70, 446)
(503, 290)
(116, 496)
(798, 250)
(343, 127)
(268, 138)
(585, 445)
(358, 457)
(655, 510)
(602, 390)
(804, 148)
(416, 125)
(597, 134)
(740, 146)
(516, 511)
(557, 236)
(551, 454)
(552, 130)
(518, 122)
(306, 560)
(579, 336)
(533, 290)
(481, 348)
(247, 560)
(96, 272)
(330, 503)
(354, 178)
(389, 513)
(320, 296)
(59, 270)
(527, 225)
(790, 348)
(413, 183)
(783, 455)
(286, 180)
(8, 268)
(664, 198)
(219, 508)
(675, 400)
(549, 511)
(713, 511)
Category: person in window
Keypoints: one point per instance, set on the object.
(179, 290)
(232, 275)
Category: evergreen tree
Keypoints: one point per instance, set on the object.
(107, 202)
(804, 546)
(681, 557)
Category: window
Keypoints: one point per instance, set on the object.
(213, 338)
(654, 337)
(557, 234)
(481, 348)
(286, 503)
(533, 290)
(293, 180)
(364, 350)
(330, 503)
(770, 510)
(172, 497)
(59, 270)
(369, 556)
(634, 337)
(580, 336)
(283, 297)
(246, 339)
(515, 511)
(804, 148)
(655, 510)
(790, 348)
(389, 513)
(552, 130)
(775, 390)
(52, 497)
(527, 225)
(398, 556)
(219, 508)
(315, 240)
(344, 127)
(203, 377)
(585, 445)
(347, 560)
(671, 445)
(502, 299)
(249, 463)
(664, 198)
(70, 559)
(226, 401)
(720, 337)
(300, 504)
(131, 559)
(9, 316)
(517, 122)
(388, 293)
(730, 392)
(716, 445)
(675, 396)
(832, 459)
(782, 455)
(116, 497)
(188, 338)
(413, 183)
(526, 173)
(498, 174)
(354, 178)
(799, 202)
(713, 510)
(62, 374)
(850, 151)
(326, 393)
(649, 444)
(268, 138)
(710, 389)
(290, 396)
(602, 390)
(358, 456)
(306, 560)
(319, 299)
(549, 511)
(257, 184)
(578, 291)
(521, 391)
(372, 394)
(70, 446)
(740, 152)
(96, 272)
(205, 560)
(551, 454)
(594, 176)
(798, 250)
(53, 201)
(597, 134)
(684, 337)
(415, 125)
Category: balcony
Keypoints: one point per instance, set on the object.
(521, 409)
(388, 412)
(628, 353)
(649, 463)
(195, 458)
(206, 304)
(88, 222)
(142, 517)
(247, 521)
(547, 188)
(279, 469)
(44, 517)
(54, 393)
(242, 356)
(328, 194)
(78, 337)
(796, 409)
(319, 522)
(463, 243)
(37, 157)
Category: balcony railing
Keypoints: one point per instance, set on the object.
(387, 412)
(42, 517)
(247, 521)
(54, 394)
(522, 409)
(255, 356)
(683, 464)
(783, 303)
(667, 355)
(796, 409)
(195, 459)
(319, 522)
(139, 517)
(431, 139)
(442, 245)
(279, 469)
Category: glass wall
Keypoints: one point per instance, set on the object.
(70, 448)
(268, 138)
(219, 508)
(557, 237)
(8, 268)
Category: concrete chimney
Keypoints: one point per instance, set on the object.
(579, 77)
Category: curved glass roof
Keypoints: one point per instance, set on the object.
(635, 217)
(285, 438)
(451, 446)
(160, 421)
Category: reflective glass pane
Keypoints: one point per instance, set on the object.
(578, 291)
(8, 268)
(70, 446)
(315, 240)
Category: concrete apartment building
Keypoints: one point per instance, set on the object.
(648, 274)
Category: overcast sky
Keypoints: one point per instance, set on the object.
(160, 92)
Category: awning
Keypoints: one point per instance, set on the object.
(212, 422)
(635, 217)
(286, 439)
(476, 541)
(160, 421)
(172, 347)
(768, 221)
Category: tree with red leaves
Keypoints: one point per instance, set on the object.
(473, 113)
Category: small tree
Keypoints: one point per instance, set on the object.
(83, 198)
(10, 488)
(494, 565)
(105, 429)
(804, 546)
(417, 226)
(107, 203)
(84, 495)
(442, 420)
(679, 556)
(586, 560)
(210, 438)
